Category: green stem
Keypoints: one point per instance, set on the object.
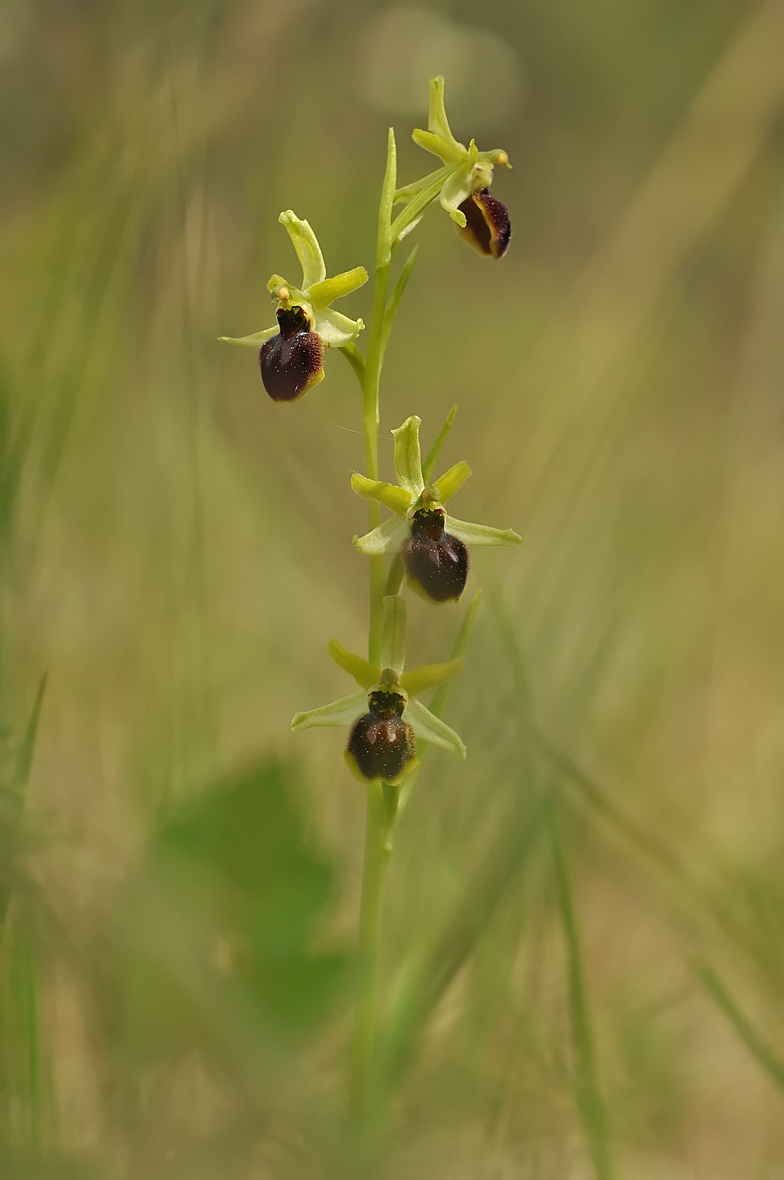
(370, 391)
(377, 847)
(377, 851)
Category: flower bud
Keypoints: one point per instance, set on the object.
(381, 744)
(292, 362)
(487, 226)
(436, 562)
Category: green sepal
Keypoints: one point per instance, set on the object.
(480, 534)
(342, 712)
(395, 498)
(306, 245)
(365, 674)
(452, 480)
(408, 457)
(387, 538)
(334, 328)
(252, 341)
(323, 293)
(393, 633)
(432, 729)
(429, 676)
(437, 121)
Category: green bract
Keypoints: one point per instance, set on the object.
(389, 678)
(466, 170)
(315, 294)
(411, 494)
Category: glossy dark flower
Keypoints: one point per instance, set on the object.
(436, 562)
(385, 717)
(432, 544)
(292, 353)
(292, 362)
(381, 744)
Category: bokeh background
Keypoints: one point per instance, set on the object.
(584, 930)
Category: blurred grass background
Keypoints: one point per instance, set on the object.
(583, 958)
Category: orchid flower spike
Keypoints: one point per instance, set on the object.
(432, 544)
(291, 355)
(385, 717)
(480, 219)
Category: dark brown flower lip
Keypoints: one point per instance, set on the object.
(381, 745)
(291, 364)
(488, 228)
(436, 563)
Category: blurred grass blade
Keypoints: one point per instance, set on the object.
(587, 1089)
(459, 649)
(771, 1063)
(427, 983)
(676, 208)
(24, 757)
(12, 801)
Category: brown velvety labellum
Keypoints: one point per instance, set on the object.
(291, 363)
(381, 744)
(436, 562)
(487, 228)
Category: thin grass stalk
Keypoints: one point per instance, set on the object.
(587, 1089)
(752, 1038)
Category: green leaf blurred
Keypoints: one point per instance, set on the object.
(218, 921)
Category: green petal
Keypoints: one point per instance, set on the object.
(408, 457)
(322, 294)
(480, 534)
(456, 188)
(387, 538)
(252, 341)
(398, 499)
(429, 676)
(393, 633)
(308, 250)
(439, 146)
(335, 329)
(363, 672)
(451, 480)
(342, 712)
(432, 729)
